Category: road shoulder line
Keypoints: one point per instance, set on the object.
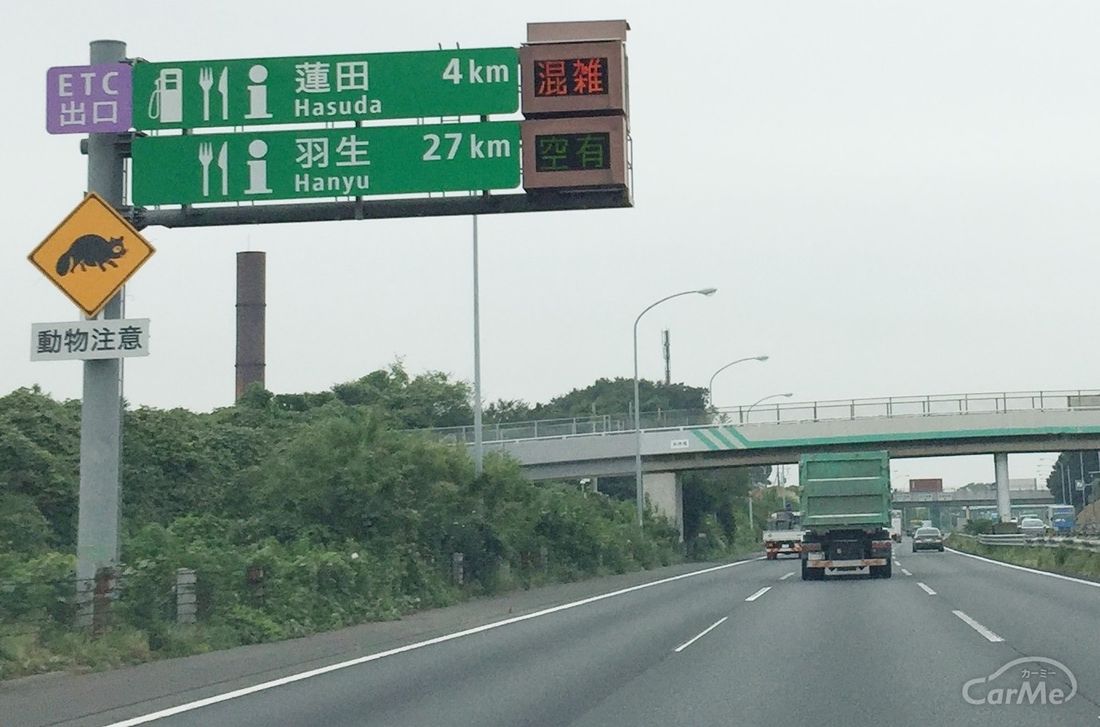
(1026, 569)
(264, 686)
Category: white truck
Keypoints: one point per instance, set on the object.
(783, 534)
(895, 526)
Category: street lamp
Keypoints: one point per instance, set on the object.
(710, 386)
(637, 413)
(759, 401)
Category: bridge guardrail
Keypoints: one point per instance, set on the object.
(783, 413)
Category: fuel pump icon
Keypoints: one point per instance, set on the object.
(166, 101)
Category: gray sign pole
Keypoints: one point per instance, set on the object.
(97, 542)
(479, 450)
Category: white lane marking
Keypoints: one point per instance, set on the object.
(978, 627)
(759, 593)
(927, 590)
(190, 706)
(700, 635)
(783, 578)
(906, 572)
(1059, 576)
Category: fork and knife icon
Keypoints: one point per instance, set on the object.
(206, 148)
(206, 83)
(206, 155)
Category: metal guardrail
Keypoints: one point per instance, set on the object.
(1041, 541)
(786, 412)
(1011, 539)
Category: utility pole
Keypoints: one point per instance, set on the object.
(97, 536)
(1067, 498)
(668, 356)
(1081, 462)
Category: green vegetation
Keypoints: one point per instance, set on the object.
(1063, 559)
(1070, 468)
(978, 526)
(606, 396)
(305, 512)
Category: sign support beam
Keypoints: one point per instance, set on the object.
(101, 408)
(542, 201)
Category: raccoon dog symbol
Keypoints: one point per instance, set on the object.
(90, 250)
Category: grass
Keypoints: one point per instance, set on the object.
(35, 651)
(33, 648)
(1063, 560)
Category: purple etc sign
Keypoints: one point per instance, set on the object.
(89, 99)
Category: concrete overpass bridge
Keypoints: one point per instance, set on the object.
(937, 502)
(965, 498)
(995, 423)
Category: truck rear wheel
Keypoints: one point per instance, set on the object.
(882, 571)
(812, 574)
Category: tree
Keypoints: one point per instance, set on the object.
(350, 477)
(1078, 466)
(22, 527)
(39, 458)
(505, 411)
(616, 396)
(427, 400)
(176, 462)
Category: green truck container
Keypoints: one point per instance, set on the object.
(846, 514)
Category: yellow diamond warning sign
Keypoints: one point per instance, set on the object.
(91, 254)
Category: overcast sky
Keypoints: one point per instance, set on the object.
(892, 198)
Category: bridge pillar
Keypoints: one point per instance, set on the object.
(666, 494)
(1004, 504)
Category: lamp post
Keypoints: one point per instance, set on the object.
(710, 386)
(640, 497)
(788, 395)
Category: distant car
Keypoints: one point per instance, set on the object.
(928, 539)
(1033, 526)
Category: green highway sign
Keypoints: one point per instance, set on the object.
(344, 162)
(305, 89)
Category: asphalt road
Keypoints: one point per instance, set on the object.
(714, 648)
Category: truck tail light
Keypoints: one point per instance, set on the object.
(769, 544)
(811, 546)
(881, 544)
